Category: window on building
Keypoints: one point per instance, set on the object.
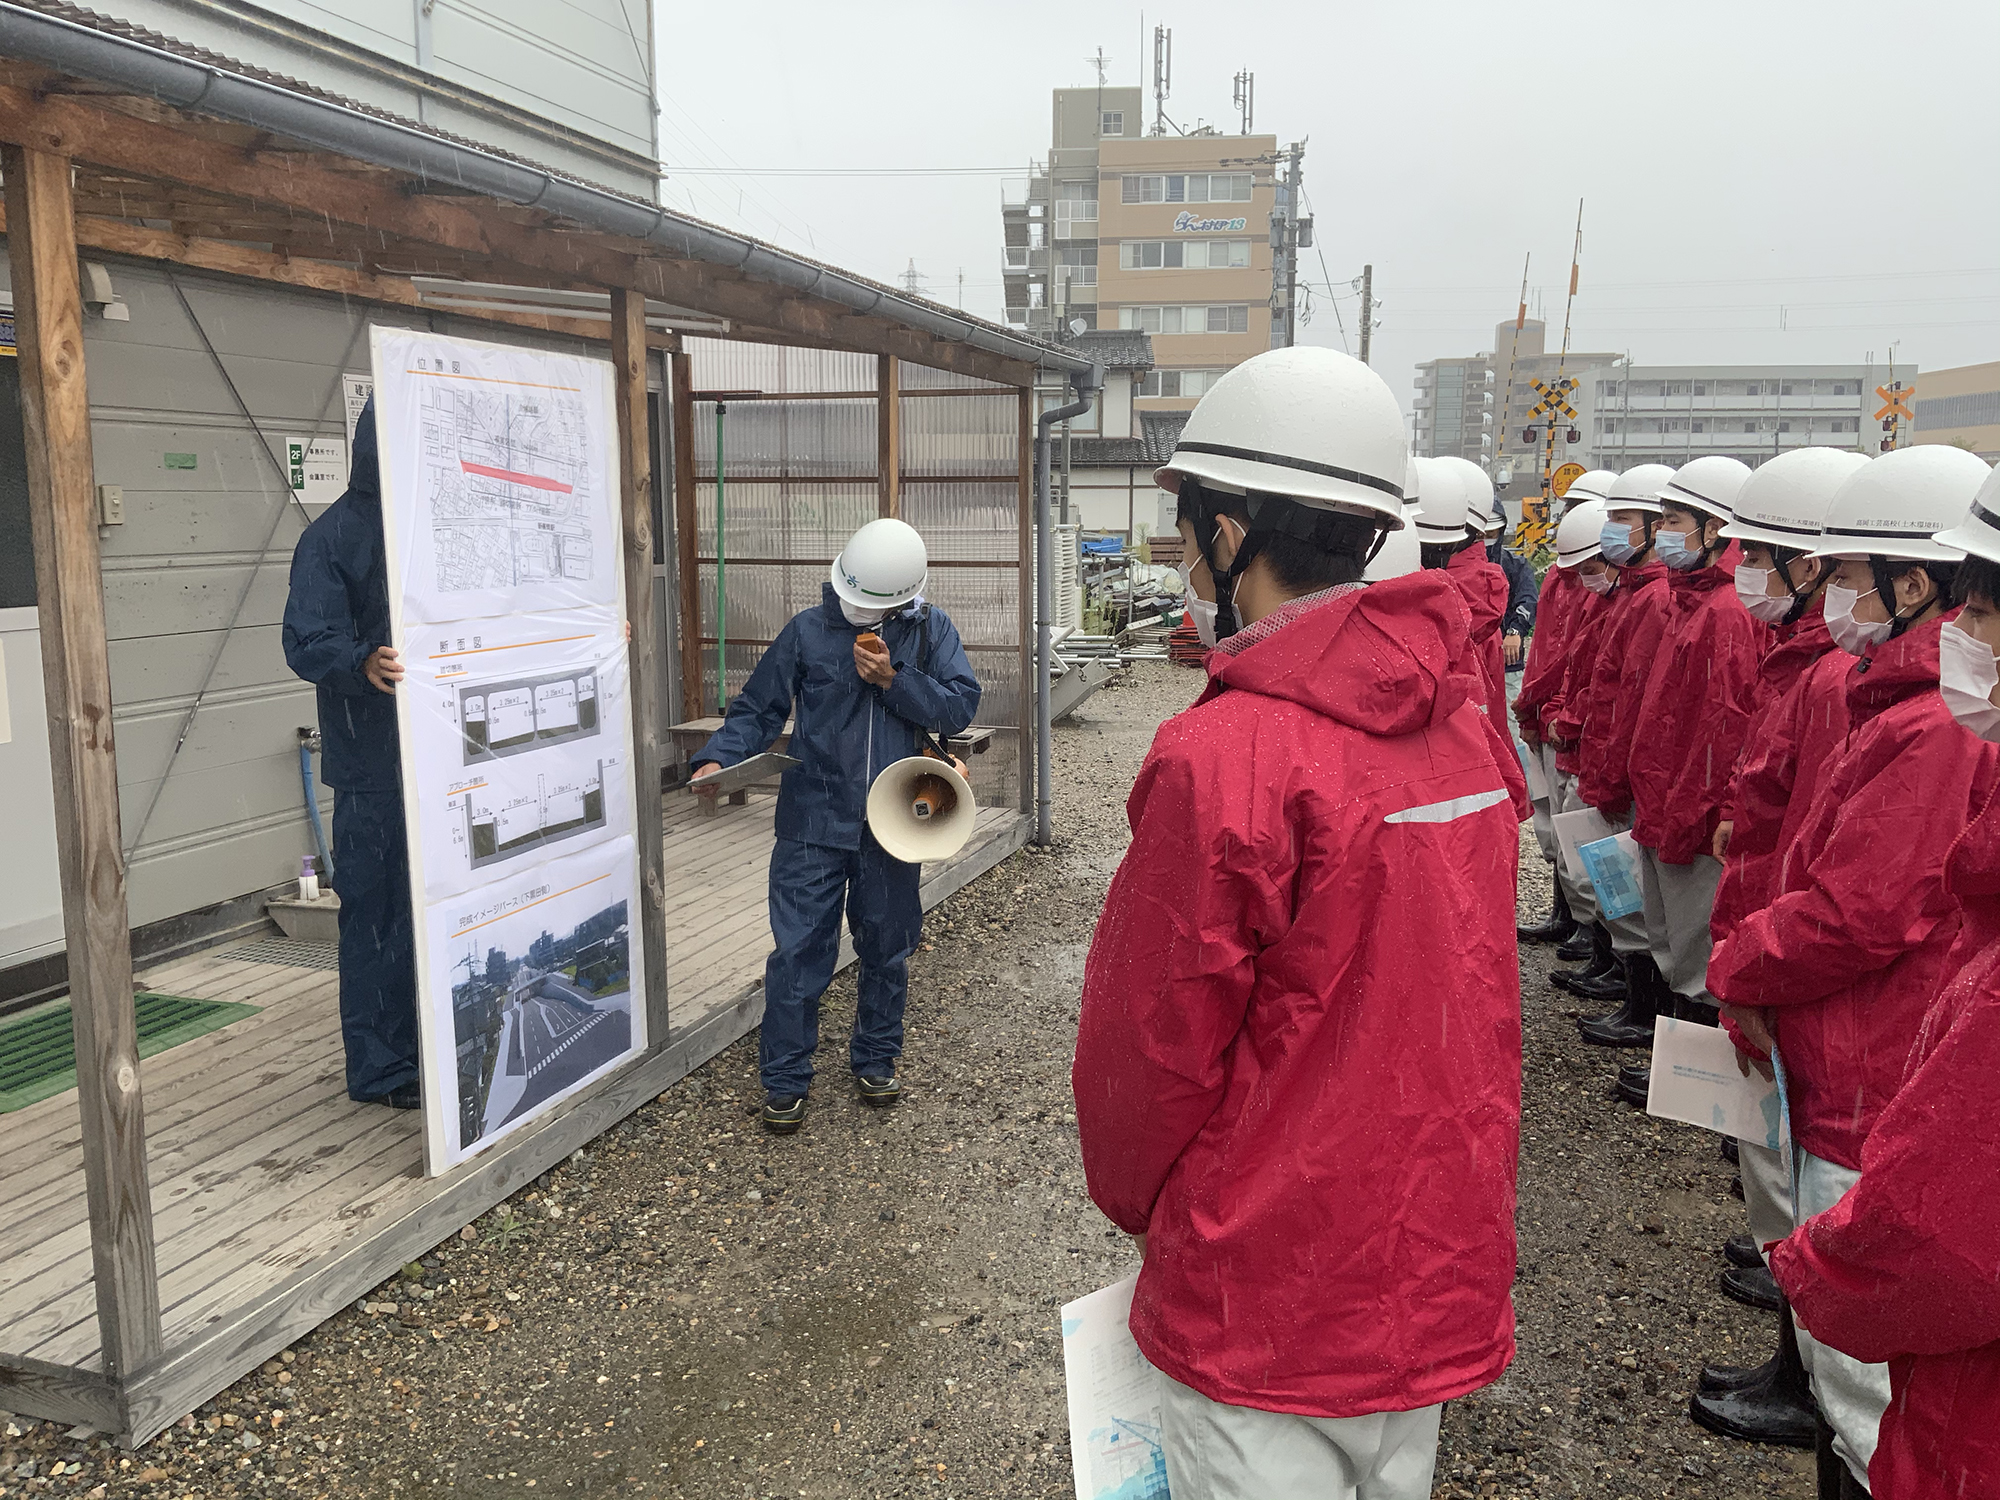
(1178, 384)
(1677, 388)
(1150, 255)
(1752, 389)
(1785, 390)
(1111, 122)
(1701, 388)
(1840, 389)
(1784, 427)
(1700, 426)
(1185, 187)
(1179, 319)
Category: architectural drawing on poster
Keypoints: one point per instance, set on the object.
(1114, 1400)
(507, 595)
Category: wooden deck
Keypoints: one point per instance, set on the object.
(276, 1200)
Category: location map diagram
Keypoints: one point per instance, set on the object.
(509, 475)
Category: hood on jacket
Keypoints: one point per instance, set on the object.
(364, 471)
(1897, 669)
(1379, 659)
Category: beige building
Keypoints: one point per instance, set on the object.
(1961, 406)
(1166, 235)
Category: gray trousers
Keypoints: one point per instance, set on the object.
(1218, 1452)
(1628, 934)
(1679, 901)
(1545, 833)
(1767, 1191)
(1852, 1396)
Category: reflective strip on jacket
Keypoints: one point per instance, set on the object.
(1695, 714)
(1298, 1060)
(1854, 949)
(845, 730)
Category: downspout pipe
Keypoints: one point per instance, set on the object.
(1086, 387)
(85, 52)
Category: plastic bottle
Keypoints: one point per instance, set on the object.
(308, 879)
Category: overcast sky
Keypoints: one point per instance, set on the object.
(1802, 182)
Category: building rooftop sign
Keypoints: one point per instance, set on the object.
(1190, 224)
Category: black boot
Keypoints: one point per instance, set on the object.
(1741, 1250)
(1581, 946)
(1631, 1025)
(1767, 1403)
(1635, 1082)
(1602, 962)
(1556, 927)
(1753, 1286)
(1836, 1480)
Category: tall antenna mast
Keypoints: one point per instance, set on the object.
(1163, 76)
(1513, 353)
(1557, 401)
(1246, 99)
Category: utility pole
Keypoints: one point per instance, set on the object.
(1285, 230)
(1367, 309)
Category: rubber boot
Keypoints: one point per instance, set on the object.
(1767, 1403)
(1556, 927)
(1631, 1025)
(1603, 961)
(1582, 945)
(1836, 1480)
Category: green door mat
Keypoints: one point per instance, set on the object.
(38, 1052)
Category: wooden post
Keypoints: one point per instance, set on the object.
(635, 475)
(76, 686)
(889, 434)
(680, 397)
(1025, 466)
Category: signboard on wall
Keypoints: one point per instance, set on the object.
(506, 595)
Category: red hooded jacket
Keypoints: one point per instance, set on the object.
(1298, 1063)
(1903, 1269)
(1855, 947)
(1562, 718)
(1483, 583)
(1691, 724)
(1635, 621)
(1778, 749)
(1556, 611)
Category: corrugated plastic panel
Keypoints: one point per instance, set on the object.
(960, 434)
(728, 365)
(924, 378)
(767, 519)
(966, 519)
(770, 439)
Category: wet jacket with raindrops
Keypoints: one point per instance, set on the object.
(1635, 622)
(1558, 611)
(1856, 945)
(845, 729)
(1903, 1270)
(336, 616)
(1563, 718)
(1692, 721)
(1484, 589)
(1790, 729)
(1298, 1062)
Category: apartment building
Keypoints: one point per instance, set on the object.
(1166, 235)
(1667, 414)
(1961, 406)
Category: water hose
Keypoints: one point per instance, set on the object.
(308, 742)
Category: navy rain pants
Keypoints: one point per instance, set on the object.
(378, 955)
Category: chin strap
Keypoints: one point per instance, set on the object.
(1206, 529)
(1885, 590)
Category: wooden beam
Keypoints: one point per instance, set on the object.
(635, 476)
(76, 685)
(59, 1393)
(180, 151)
(680, 398)
(1024, 468)
(889, 434)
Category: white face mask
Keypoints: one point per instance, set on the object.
(856, 615)
(1751, 586)
(1599, 583)
(1851, 635)
(1967, 677)
(1200, 612)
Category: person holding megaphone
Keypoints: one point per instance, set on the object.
(873, 675)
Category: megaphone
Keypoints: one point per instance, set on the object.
(920, 809)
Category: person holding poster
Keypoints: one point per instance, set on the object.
(336, 636)
(862, 674)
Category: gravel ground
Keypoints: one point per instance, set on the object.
(693, 1308)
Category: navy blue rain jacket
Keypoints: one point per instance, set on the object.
(824, 799)
(1522, 590)
(338, 613)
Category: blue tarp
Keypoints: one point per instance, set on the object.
(1103, 546)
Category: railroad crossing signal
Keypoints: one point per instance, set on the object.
(1555, 398)
(1895, 403)
(1563, 478)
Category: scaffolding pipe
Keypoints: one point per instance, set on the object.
(1086, 386)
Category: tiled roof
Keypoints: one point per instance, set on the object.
(1162, 430)
(1114, 348)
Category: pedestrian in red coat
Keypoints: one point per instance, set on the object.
(1837, 973)
(1297, 1067)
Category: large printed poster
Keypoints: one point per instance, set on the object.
(506, 589)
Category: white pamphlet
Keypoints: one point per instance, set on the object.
(1698, 1080)
(1114, 1400)
(1574, 829)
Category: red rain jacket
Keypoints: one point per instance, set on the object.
(1298, 1063)
(1691, 724)
(1779, 748)
(1635, 621)
(1563, 716)
(1904, 1268)
(1557, 610)
(1483, 583)
(1855, 947)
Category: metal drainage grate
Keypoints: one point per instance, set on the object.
(289, 951)
(38, 1052)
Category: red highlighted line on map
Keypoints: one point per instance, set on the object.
(515, 476)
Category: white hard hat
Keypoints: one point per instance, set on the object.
(1979, 533)
(1594, 485)
(1638, 488)
(1412, 484)
(882, 566)
(1478, 490)
(1577, 533)
(1311, 424)
(1899, 505)
(1708, 484)
(1442, 501)
(1401, 553)
(1785, 498)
